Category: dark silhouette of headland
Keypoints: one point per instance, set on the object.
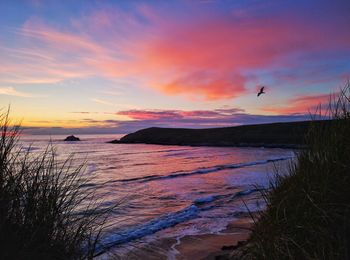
(282, 135)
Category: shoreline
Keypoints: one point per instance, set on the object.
(214, 246)
(210, 246)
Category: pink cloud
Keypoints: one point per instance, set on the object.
(302, 105)
(50, 55)
(64, 41)
(210, 87)
(137, 114)
(213, 57)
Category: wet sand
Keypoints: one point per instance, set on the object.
(209, 246)
(193, 247)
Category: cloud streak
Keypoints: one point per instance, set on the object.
(103, 102)
(139, 119)
(10, 91)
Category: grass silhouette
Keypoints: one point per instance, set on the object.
(40, 201)
(308, 211)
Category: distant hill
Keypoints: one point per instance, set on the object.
(284, 135)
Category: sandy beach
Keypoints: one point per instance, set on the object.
(190, 247)
(210, 246)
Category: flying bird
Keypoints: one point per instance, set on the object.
(261, 91)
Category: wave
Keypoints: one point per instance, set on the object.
(92, 167)
(28, 149)
(158, 151)
(151, 227)
(205, 200)
(201, 170)
(142, 164)
(212, 198)
(166, 221)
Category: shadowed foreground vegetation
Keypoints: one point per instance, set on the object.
(308, 212)
(40, 198)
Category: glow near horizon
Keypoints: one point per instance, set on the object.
(173, 63)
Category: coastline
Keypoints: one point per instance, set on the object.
(211, 246)
(290, 135)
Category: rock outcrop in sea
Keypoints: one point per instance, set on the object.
(72, 138)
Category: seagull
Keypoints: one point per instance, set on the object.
(261, 91)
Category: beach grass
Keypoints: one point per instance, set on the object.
(308, 210)
(46, 212)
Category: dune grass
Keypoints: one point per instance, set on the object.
(308, 211)
(40, 198)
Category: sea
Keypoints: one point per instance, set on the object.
(166, 191)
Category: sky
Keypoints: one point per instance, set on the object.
(98, 66)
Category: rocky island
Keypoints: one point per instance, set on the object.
(72, 138)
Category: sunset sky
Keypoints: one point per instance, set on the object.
(119, 66)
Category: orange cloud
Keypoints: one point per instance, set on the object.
(302, 105)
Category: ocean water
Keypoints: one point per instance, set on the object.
(168, 191)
